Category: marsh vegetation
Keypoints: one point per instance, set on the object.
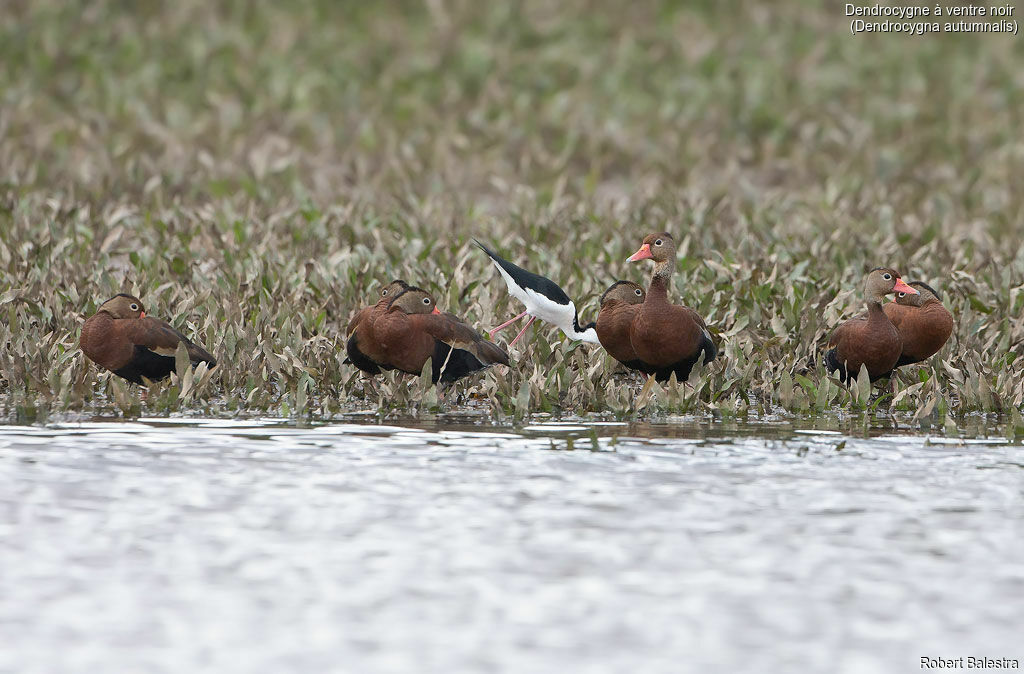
(254, 172)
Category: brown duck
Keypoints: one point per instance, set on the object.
(619, 307)
(667, 337)
(120, 337)
(360, 346)
(924, 323)
(412, 329)
(870, 339)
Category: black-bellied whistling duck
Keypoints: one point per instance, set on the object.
(924, 323)
(619, 306)
(412, 329)
(543, 298)
(359, 330)
(120, 337)
(870, 340)
(668, 337)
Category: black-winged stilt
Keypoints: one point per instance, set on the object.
(543, 299)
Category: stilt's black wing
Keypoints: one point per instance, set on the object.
(527, 279)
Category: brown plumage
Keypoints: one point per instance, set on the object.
(668, 337)
(619, 306)
(923, 322)
(412, 329)
(360, 347)
(120, 337)
(869, 339)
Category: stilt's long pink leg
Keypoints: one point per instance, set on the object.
(507, 323)
(521, 332)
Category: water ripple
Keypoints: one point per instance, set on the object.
(222, 546)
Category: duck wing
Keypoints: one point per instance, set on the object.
(447, 328)
(160, 338)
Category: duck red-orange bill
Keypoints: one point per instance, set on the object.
(643, 254)
(902, 287)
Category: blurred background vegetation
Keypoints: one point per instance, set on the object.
(254, 170)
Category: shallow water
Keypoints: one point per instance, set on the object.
(223, 546)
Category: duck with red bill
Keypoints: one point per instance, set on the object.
(869, 340)
(668, 338)
(121, 338)
(406, 329)
(925, 324)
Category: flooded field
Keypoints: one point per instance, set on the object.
(259, 546)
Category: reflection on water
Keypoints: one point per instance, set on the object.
(220, 546)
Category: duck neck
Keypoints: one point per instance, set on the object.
(104, 318)
(875, 310)
(658, 290)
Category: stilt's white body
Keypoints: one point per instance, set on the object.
(541, 306)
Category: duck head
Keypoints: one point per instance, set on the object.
(625, 292)
(925, 293)
(882, 281)
(123, 305)
(415, 300)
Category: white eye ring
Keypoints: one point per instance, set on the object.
(384, 293)
(887, 277)
(901, 294)
(134, 307)
(638, 292)
(426, 300)
(658, 242)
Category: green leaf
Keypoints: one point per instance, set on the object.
(807, 385)
(863, 385)
(523, 399)
(426, 372)
(181, 360)
(978, 305)
(786, 390)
